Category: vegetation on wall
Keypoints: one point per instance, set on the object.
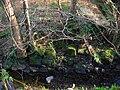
(56, 37)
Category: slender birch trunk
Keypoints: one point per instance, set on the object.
(27, 19)
(59, 4)
(15, 32)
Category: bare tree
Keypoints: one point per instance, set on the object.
(15, 32)
(110, 12)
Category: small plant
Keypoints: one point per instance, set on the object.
(113, 87)
(43, 88)
(40, 49)
(6, 79)
(96, 57)
(109, 54)
(43, 48)
(100, 88)
(50, 50)
(6, 76)
(82, 88)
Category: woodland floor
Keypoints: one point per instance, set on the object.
(66, 74)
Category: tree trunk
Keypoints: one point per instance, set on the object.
(14, 28)
(27, 20)
(73, 6)
(59, 4)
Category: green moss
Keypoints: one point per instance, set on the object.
(72, 51)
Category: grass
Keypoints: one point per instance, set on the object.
(85, 88)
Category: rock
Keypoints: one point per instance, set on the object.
(34, 69)
(21, 66)
(43, 70)
(117, 82)
(27, 70)
(80, 71)
(49, 79)
(117, 67)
